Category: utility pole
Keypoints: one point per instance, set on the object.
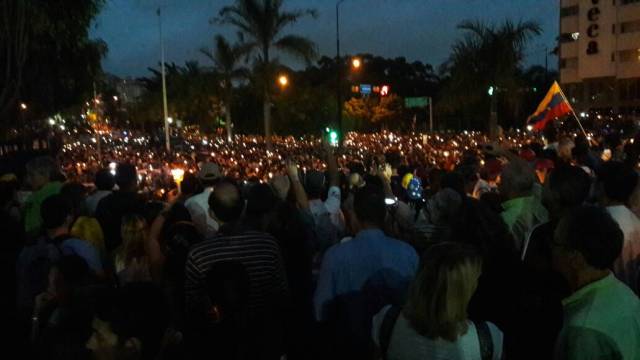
(164, 87)
(339, 72)
(99, 135)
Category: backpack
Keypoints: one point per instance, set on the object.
(389, 321)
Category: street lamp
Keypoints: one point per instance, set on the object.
(283, 80)
(356, 63)
(23, 106)
(115, 98)
(339, 67)
(170, 120)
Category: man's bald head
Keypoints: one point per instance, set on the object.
(226, 201)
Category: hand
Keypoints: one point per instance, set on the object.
(292, 169)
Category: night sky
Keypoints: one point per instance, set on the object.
(416, 29)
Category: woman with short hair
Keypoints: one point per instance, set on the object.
(433, 324)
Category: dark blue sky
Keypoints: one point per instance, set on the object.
(416, 29)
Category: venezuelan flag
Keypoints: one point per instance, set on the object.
(553, 106)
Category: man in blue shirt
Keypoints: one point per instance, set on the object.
(360, 276)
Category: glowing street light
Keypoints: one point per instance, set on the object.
(170, 120)
(115, 98)
(283, 80)
(23, 106)
(356, 63)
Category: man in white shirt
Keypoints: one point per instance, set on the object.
(616, 183)
(198, 205)
(327, 214)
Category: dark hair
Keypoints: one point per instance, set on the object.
(126, 176)
(54, 211)
(75, 193)
(454, 181)
(369, 205)
(226, 201)
(570, 184)
(594, 233)
(260, 200)
(104, 180)
(190, 184)
(618, 179)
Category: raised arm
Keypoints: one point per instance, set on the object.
(298, 190)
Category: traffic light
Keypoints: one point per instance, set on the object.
(384, 90)
(332, 137)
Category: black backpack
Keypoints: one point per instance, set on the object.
(389, 322)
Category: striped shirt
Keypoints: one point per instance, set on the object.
(257, 252)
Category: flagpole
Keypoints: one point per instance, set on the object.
(574, 113)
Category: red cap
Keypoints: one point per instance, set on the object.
(492, 168)
(528, 155)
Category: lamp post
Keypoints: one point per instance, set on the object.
(339, 65)
(164, 87)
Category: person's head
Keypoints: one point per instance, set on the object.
(190, 185)
(104, 180)
(126, 177)
(89, 230)
(179, 238)
(616, 182)
(442, 289)
(76, 193)
(134, 234)
(225, 202)
(565, 149)
(442, 207)
(260, 201)
(516, 180)
(57, 214)
(587, 241)
(209, 174)
(369, 207)
(566, 187)
(40, 171)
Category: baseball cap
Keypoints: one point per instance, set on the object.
(209, 171)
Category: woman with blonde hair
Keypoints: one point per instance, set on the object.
(131, 258)
(433, 324)
(88, 229)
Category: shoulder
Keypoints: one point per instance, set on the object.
(402, 247)
(577, 342)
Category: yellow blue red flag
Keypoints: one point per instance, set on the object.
(553, 106)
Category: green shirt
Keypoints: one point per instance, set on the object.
(32, 218)
(522, 215)
(601, 322)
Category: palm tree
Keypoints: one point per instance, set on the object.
(487, 56)
(227, 61)
(262, 22)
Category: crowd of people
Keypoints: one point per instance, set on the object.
(440, 246)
